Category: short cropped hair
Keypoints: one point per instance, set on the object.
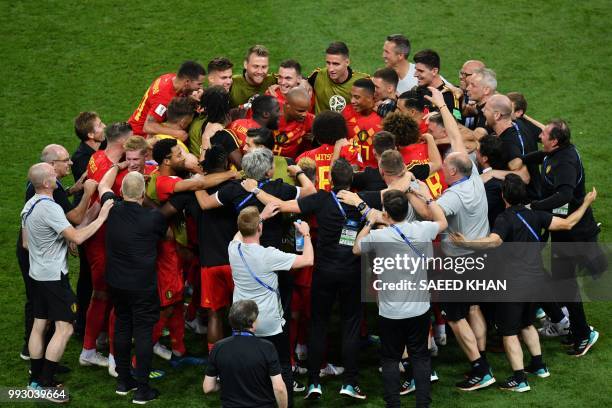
(462, 163)
(388, 75)
(403, 127)
(117, 130)
(491, 147)
(248, 221)
(243, 314)
(257, 163)
(366, 84)
(215, 159)
(413, 99)
(262, 137)
(190, 70)
(342, 174)
(84, 124)
(136, 143)
(290, 63)
(392, 163)
(560, 132)
(337, 48)
(383, 141)
(219, 64)
(514, 190)
(519, 101)
(180, 107)
(263, 104)
(258, 50)
(487, 77)
(162, 149)
(395, 204)
(402, 44)
(328, 127)
(133, 185)
(428, 57)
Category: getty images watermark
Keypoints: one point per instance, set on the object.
(405, 264)
(512, 272)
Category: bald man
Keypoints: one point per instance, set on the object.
(515, 144)
(465, 206)
(132, 236)
(46, 233)
(295, 124)
(59, 159)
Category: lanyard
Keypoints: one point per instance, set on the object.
(243, 202)
(339, 205)
(363, 217)
(528, 226)
(242, 333)
(520, 136)
(25, 217)
(406, 240)
(262, 283)
(461, 180)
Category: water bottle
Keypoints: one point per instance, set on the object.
(299, 239)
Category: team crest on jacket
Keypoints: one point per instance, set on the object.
(168, 294)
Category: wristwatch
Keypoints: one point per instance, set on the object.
(256, 191)
(361, 206)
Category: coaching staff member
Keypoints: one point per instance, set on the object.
(132, 233)
(247, 365)
(563, 193)
(46, 232)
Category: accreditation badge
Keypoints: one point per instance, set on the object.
(349, 233)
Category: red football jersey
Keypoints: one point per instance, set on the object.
(239, 128)
(165, 187)
(288, 140)
(361, 129)
(417, 154)
(98, 165)
(154, 102)
(149, 168)
(322, 156)
(352, 154)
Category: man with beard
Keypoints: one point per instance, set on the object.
(254, 79)
(294, 124)
(266, 113)
(332, 84)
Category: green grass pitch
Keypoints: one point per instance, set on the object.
(63, 57)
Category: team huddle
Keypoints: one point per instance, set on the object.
(255, 194)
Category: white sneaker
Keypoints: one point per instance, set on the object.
(112, 367)
(195, 326)
(93, 359)
(161, 351)
(550, 329)
(301, 350)
(331, 370)
(102, 341)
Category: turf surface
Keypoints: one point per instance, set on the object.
(63, 57)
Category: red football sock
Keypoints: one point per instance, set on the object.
(176, 325)
(96, 316)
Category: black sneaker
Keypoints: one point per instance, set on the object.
(62, 369)
(541, 371)
(581, 347)
(512, 384)
(144, 395)
(298, 386)
(123, 388)
(476, 381)
(25, 353)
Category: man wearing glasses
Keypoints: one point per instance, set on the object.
(468, 109)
